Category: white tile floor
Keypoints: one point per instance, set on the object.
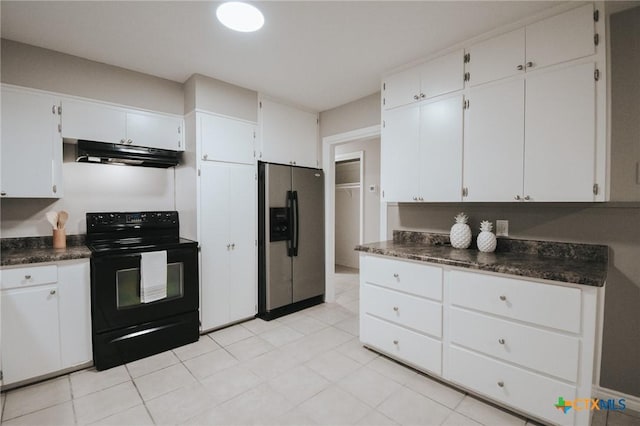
(304, 369)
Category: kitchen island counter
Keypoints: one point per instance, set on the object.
(584, 264)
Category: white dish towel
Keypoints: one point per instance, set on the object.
(153, 276)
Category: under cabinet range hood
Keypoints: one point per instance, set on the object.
(113, 153)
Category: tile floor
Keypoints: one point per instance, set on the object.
(307, 368)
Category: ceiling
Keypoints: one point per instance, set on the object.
(317, 54)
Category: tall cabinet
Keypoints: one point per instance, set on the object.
(221, 152)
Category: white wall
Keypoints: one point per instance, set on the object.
(217, 96)
(371, 171)
(358, 114)
(88, 187)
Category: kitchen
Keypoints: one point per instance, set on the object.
(87, 186)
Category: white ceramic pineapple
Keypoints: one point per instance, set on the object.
(460, 234)
(486, 239)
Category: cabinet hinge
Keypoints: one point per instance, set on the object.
(467, 58)
(384, 101)
(179, 129)
(465, 192)
(260, 104)
(254, 135)
(596, 39)
(596, 189)
(596, 15)
(53, 109)
(1, 375)
(467, 76)
(54, 188)
(254, 153)
(59, 110)
(596, 74)
(59, 128)
(384, 124)
(198, 172)
(317, 121)
(383, 193)
(465, 104)
(256, 243)
(384, 86)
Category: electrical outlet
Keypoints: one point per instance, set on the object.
(502, 228)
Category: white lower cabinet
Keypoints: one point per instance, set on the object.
(228, 230)
(518, 342)
(46, 319)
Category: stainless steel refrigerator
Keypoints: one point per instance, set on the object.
(290, 239)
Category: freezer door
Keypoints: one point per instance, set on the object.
(308, 212)
(279, 281)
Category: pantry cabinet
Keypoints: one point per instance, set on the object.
(45, 319)
(288, 135)
(497, 58)
(433, 78)
(102, 122)
(227, 139)
(31, 152)
(227, 229)
(422, 152)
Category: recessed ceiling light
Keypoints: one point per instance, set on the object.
(240, 16)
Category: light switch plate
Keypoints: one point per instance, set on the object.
(502, 228)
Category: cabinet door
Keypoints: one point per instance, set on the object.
(289, 135)
(401, 88)
(243, 280)
(225, 139)
(399, 154)
(497, 58)
(31, 145)
(442, 75)
(560, 135)
(561, 38)
(93, 121)
(74, 293)
(494, 144)
(441, 150)
(155, 131)
(30, 337)
(215, 244)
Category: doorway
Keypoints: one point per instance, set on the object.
(348, 210)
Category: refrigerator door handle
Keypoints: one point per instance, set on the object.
(291, 223)
(297, 223)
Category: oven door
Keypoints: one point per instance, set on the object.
(115, 289)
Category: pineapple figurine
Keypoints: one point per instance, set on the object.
(460, 234)
(486, 239)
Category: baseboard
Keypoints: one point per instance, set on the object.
(632, 402)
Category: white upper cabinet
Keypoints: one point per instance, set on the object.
(561, 38)
(496, 58)
(101, 122)
(433, 78)
(399, 154)
(289, 135)
(155, 131)
(560, 135)
(31, 145)
(226, 139)
(494, 142)
(441, 150)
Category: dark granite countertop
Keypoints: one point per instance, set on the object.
(565, 262)
(22, 251)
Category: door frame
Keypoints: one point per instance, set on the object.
(329, 144)
(356, 155)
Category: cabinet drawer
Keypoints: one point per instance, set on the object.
(413, 278)
(401, 343)
(33, 275)
(527, 391)
(541, 350)
(537, 303)
(410, 311)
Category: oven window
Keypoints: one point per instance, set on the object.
(128, 285)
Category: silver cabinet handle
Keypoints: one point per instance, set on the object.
(228, 246)
(3, 193)
(416, 97)
(129, 141)
(395, 308)
(415, 198)
(517, 197)
(395, 342)
(52, 292)
(527, 198)
(501, 384)
(123, 141)
(27, 277)
(422, 95)
(529, 64)
(206, 156)
(420, 198)
(520, 67)
(233, 246)
(501, 341)
(396, 276)
(503, 298)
